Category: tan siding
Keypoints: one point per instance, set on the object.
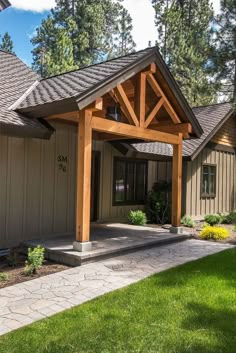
(225, 199)
(37, 198)
(227, 133)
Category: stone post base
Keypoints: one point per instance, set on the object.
(86, 246)
(176, 230)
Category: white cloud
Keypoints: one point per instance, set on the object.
(142, 13)
(33, 5)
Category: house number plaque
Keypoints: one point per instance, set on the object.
(62, 163)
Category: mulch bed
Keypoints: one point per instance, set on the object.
(15, 272)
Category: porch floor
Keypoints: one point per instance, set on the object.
(108, 240)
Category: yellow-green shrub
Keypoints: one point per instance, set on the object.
(215, 233)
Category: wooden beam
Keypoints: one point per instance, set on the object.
(151, 69)
(140, 97)
(184, 128)
(133, 132)
(126, 105)
(84, 177)
(177, 183)
(96, 105)
(153, 113)
(70, 116)
(158, 91)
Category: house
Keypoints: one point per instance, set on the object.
(209, 162)
(73, 147)
(4, 4)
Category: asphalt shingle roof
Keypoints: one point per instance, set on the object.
(74, 83)
(209, 118)
(16, 78)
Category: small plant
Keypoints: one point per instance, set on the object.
(34, 261)
(187, 221)
(3, 277)
(234, 229)
(215, 233)
(213, 219)
(137, 217)
(229, 218)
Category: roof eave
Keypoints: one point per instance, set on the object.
(213, 132)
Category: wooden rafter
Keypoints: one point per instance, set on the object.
(140, 97)
(133, 132)
(153, 113)
(158, 91)
(126, 105)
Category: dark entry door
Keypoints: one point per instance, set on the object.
(95, 182)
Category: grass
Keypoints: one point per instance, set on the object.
(188, 309)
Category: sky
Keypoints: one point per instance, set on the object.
(21, 19)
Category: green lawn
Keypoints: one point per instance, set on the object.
(191, 308)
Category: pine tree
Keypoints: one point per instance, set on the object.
(90, 27)
(7, 43)
(123, 40)
(224, 50)
(184, 40)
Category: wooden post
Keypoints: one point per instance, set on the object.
(177, 183)
(84, 177)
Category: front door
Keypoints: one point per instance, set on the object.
(95, 183)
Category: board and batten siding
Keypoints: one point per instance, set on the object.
(38, 185)
(225, 198)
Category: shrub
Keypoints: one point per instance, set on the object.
(229, 218)
(215, 233)
(187, 221)
(213, 219)
(34, 261)
(137, 217)
(158, 203)
(3, 277)
(12, 258)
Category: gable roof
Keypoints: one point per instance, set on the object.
(211, 118)
(16, 78)
(76, 89)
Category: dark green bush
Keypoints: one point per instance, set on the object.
(229, 218)
(213, 219)
(158, 203)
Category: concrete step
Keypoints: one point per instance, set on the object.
(68, 256)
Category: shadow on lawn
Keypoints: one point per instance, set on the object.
(218, 324)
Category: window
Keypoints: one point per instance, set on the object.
(208, 180)
(130, 181)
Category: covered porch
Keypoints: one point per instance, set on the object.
(107, 240)
(137, 102)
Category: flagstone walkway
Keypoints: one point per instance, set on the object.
(24, 303)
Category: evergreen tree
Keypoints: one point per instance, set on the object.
(184, 34)
(90, 27)
(123, 40)
(7, 43)
(224, 50)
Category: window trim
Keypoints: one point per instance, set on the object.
(210, 195)
(127, 203)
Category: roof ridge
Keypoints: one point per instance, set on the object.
(210, 105)
(7, 52)
(101, 62)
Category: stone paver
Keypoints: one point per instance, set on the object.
(27, 302)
